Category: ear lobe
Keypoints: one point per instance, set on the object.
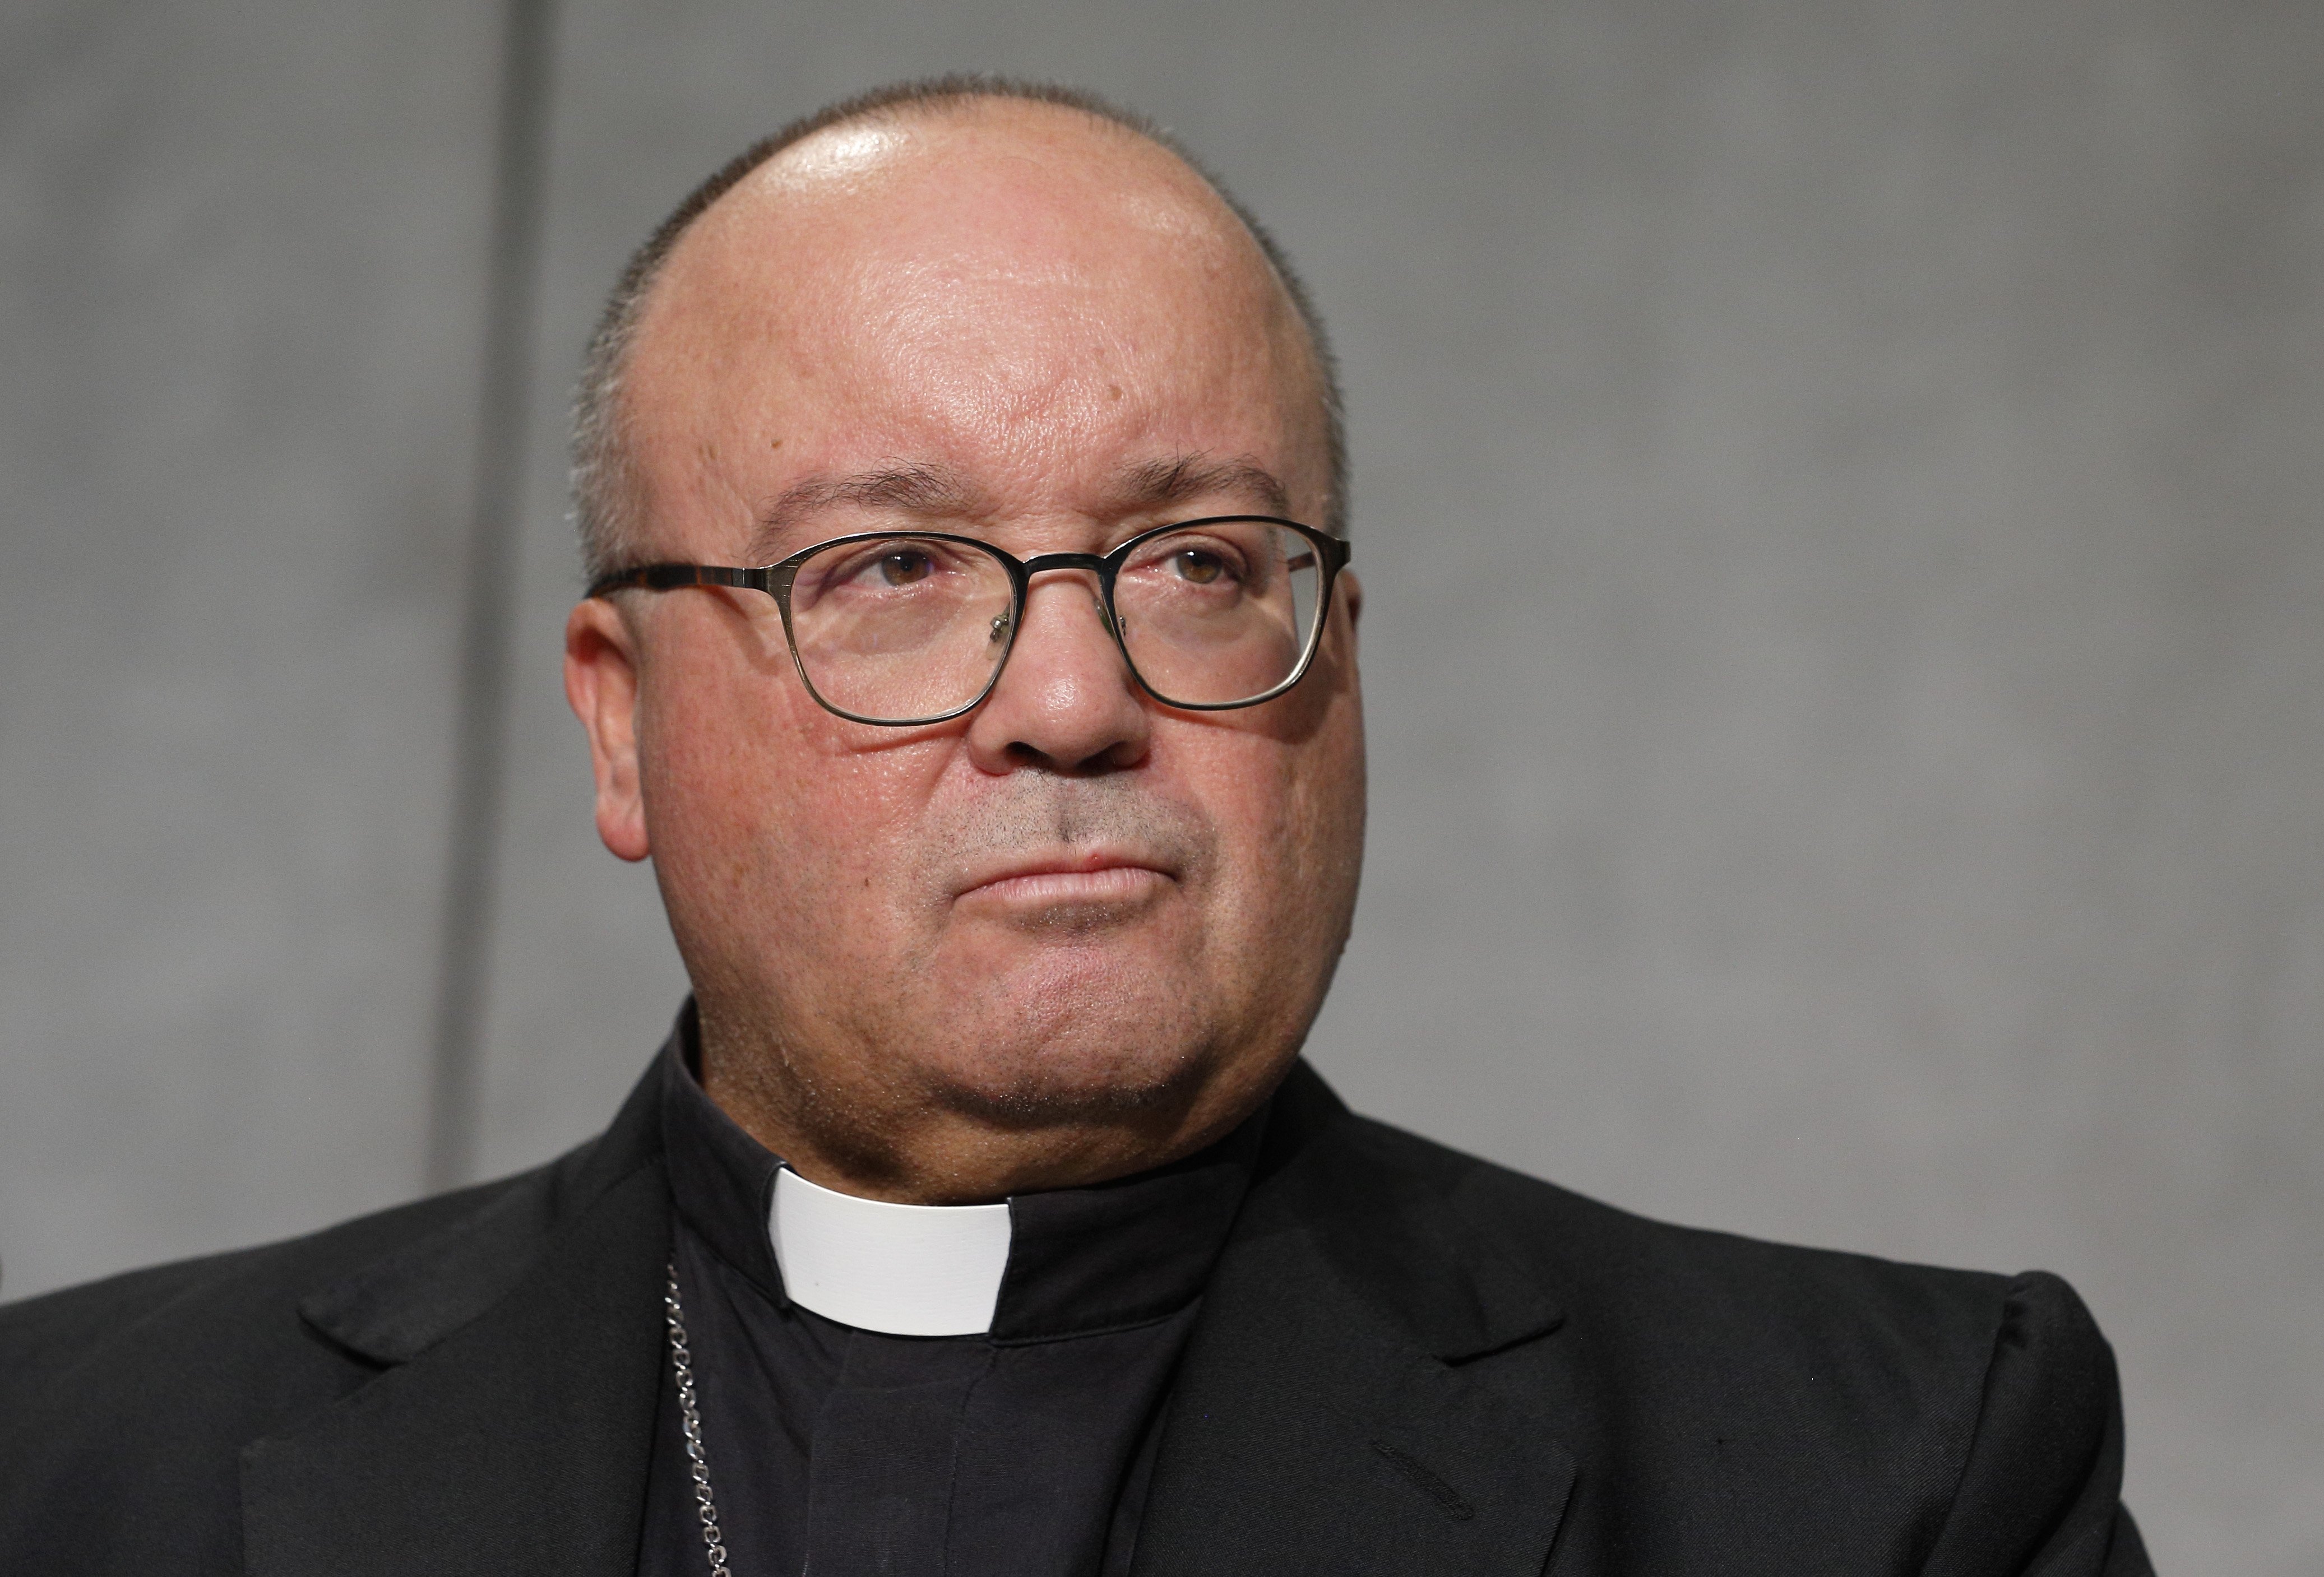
(601, 685)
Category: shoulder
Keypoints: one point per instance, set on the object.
(371, 1290)
(1369, 1183)
(54, 1323)
(1687, 1292)
(126, 1406)
(1915, 1412)
(1605, 1253)
(142, 1390)
(220, 1303)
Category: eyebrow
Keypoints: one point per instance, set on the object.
(938, 492)
(918, 490)
(1175, 481)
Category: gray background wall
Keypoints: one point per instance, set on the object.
(1837, 484)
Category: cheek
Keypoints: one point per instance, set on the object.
(771, 832)
(1250, 790)
(1292, 811)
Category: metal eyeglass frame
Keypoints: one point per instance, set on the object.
(1331, 554)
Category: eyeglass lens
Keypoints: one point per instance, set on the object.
(901, 628)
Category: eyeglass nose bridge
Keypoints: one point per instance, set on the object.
(1041, 562)
(1097, 564)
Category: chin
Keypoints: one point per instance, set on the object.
(1071, 1027)
(1099, 1079)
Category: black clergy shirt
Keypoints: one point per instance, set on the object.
(844, 1453)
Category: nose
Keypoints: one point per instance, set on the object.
(1065, 701)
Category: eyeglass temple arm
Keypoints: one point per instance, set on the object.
(1332, 551)
(1335, 552)
(669, 577)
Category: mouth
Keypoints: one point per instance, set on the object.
(1099, 877)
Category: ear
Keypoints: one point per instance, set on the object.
(601, 682)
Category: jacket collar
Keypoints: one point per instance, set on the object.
(511, 1427)
(1353, 1398)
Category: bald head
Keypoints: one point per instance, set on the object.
(972, 182)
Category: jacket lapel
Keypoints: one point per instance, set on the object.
(512, 1429)
(1329, 1417)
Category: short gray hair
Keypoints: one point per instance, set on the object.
(604, 486)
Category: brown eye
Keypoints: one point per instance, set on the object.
(1199, 566)
(904, 568)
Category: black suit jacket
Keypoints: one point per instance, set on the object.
(1407, 1361)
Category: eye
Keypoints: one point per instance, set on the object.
(906, 565)
(1198, 564)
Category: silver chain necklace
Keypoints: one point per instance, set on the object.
(681, 1359)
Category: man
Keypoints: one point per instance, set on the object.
(971, 649)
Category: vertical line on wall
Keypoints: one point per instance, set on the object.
(479, 748)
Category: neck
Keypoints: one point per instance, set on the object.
(869, 1144)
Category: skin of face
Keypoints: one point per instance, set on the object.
(1075, 932)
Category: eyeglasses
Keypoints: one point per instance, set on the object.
(906, 628)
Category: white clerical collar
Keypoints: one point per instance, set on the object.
(900, 1269)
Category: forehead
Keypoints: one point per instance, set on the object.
(1019, 269)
